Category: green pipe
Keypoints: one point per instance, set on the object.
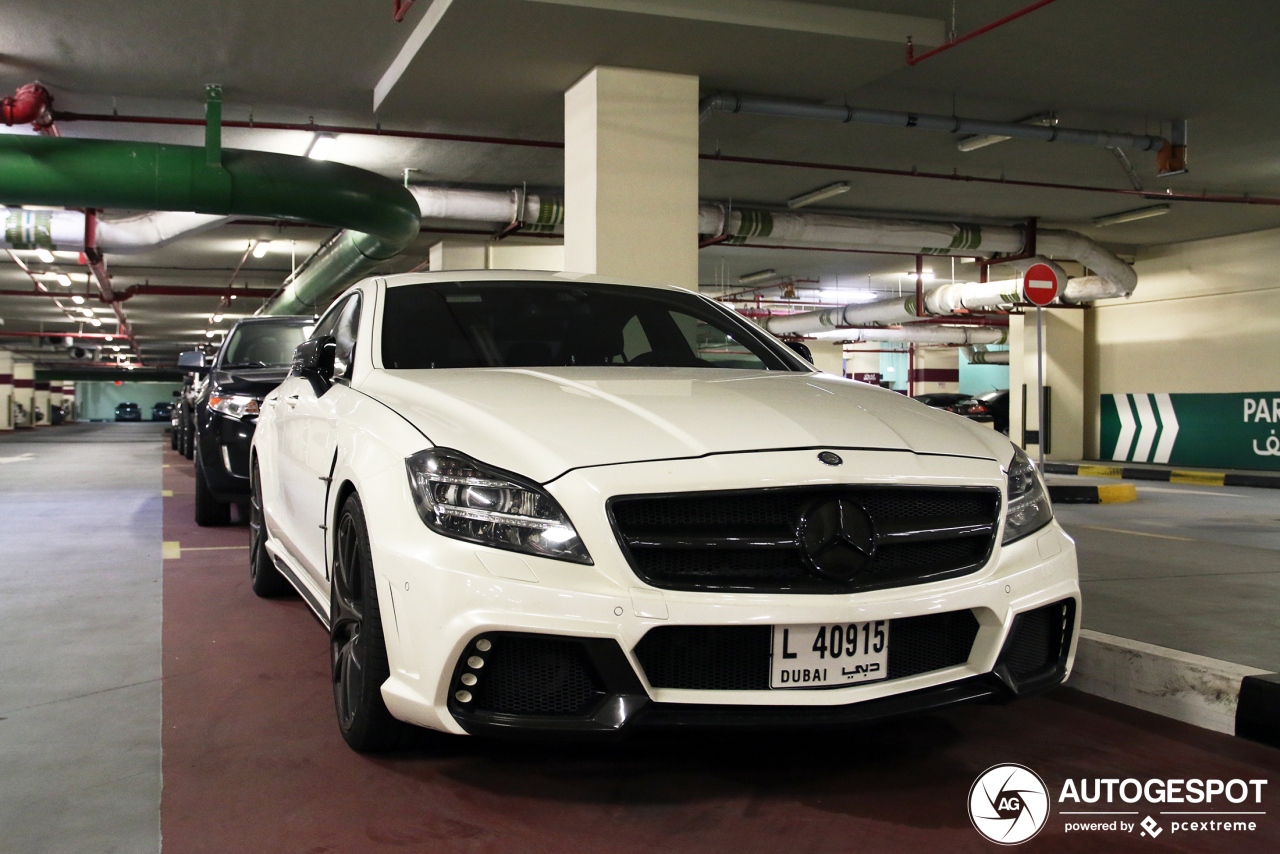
(380, 216)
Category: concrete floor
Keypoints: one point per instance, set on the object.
(252, 761)
(1192, 568)
(80, 601)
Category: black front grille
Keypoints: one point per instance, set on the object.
(736, 658)
(1039, 640)
(748, 540)
(533, 675)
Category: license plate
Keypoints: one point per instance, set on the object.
(829, 654)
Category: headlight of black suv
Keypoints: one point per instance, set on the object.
(465, 499)
(1028, 507)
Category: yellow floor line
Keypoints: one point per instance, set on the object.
(1203, 478)
(1099, 471)
(1119, 493)
(166, 493)
(1137, 533)
(170, 550)
(213, 548)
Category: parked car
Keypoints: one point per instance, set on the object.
(192, 386)
(997, 404)
(255, 357)
(175, 422)
(162, 411)
(960, 404)
(522, 503)
(128, 412)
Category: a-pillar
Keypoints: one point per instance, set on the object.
(24, 381)
(631, 176)
(1063, 377)
(42, 415)
(6, 390)
(863, 366)
(936, 371)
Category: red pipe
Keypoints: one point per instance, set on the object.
(26, 106)
(402, 6)
(912, 59)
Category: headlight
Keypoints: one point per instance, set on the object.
(461, 498)
(235, 405)
(1028, 508)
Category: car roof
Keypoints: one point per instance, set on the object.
(541, 276)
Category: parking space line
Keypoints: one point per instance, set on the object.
(1137, 533)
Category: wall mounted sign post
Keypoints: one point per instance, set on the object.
(1040, 287)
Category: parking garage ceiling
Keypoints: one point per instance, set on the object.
(500, 67)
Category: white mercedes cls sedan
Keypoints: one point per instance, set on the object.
(543, 502)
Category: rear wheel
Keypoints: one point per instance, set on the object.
(267, 580)
(173, 438)
(358, 651)
(209, 510)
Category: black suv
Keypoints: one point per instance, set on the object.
(253, 360)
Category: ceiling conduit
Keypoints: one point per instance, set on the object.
(379, 216)
(943, 335)
(64, 230)
(782, 107)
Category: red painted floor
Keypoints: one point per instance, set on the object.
(253, 761)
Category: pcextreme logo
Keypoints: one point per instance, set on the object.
(1010, 804)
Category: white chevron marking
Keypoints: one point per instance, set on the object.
(1168, 428)
(1147, 435)
(1127, 427)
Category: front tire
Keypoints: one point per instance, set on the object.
(210, 512)
(266, 579)
(358, 650)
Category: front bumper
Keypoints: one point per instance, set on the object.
(224, 454)
(444, 594)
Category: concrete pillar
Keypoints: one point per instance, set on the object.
(55, 398)
(69, 400)
(6, 390)
(40, 397)
(862, 366)
(936, 371)
(1064, 375)
(24, 380)
(828, 356)
(506, 256)
(457, 255)
(631, 176)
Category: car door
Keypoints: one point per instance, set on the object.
(312, 430)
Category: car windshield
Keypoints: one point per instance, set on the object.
(263, 345)
(549, 324)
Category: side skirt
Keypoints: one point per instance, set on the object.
(311, 596)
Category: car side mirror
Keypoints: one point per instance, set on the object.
(313, 358)
(801, 350)
(191, 362)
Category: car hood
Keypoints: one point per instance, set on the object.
(543, 422)
(255, 381)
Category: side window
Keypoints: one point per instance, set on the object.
(714, 348)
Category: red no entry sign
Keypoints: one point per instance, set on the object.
(1040, 284)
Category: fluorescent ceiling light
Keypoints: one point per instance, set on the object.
(818, 194)
(217, 318)
(87, 312)
(926, 276)
(260, 248)
(1130, 216)
(96, 322)
(110, 338)
(63, 279)
(982, 140)
(321, 146)
(758, 276)
(208, 333)
(44, 255)
(77, 299)
(114, 349)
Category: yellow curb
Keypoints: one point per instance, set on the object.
(170, 550)
(1099, 471)
(1204, 478)
(1117, 494)
(166, 493)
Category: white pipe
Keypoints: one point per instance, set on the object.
(811, 230)
(985, 357)
(546, 213)
(946, 335)
(64, 230)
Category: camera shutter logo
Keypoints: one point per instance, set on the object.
(1008, 804)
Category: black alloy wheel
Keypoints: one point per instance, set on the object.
(358, 651)
(189, 441)
(267, 581)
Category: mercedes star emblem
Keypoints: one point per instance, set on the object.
(837, 539)
(830, 458)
